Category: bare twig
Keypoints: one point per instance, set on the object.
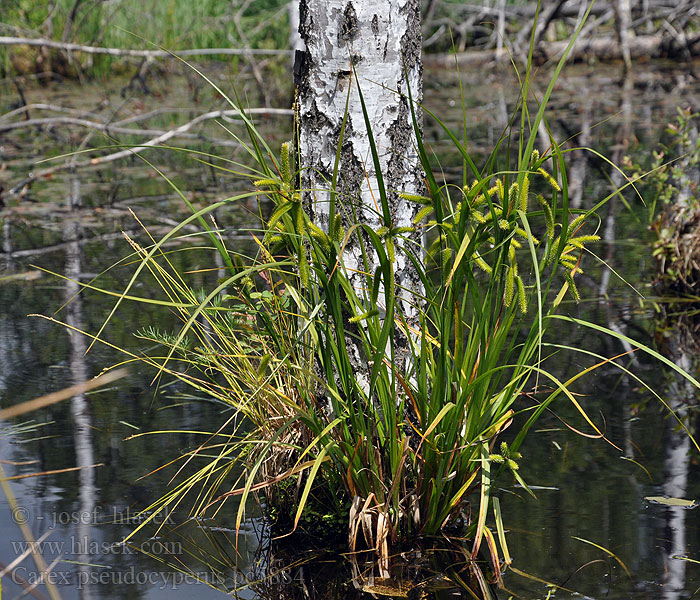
(41, 106)
(70, 19)
(19, 41)
(548, 14)
(20, 91)
(62, 245)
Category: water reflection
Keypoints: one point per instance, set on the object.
(586, 490)
(680, 343)
(79, 407)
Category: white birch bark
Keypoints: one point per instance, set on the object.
(295, 41)
(382, 40)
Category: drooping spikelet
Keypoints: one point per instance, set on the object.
(285, 163)
(260, 183)
(479, 200)
(338, 230)
(524, 192)
(510, 287)
(364, 316)
(500, 190)
(513, 195)
(534, 157)
(522, 299)
(482, 264)
(446, 257)
(548, 216)
(417, 198)
(572, 286)
(320, 236)
(423, 213)
(575, 224)
(578, 242)
(550, 180)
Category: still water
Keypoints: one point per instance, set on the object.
(590, 529)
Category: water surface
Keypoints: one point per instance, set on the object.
(590, 530)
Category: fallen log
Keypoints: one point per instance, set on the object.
(642, 46)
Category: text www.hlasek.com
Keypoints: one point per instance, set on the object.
(76, 546)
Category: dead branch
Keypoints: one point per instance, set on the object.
(643, 46)
(65, 47)
(461, 22)
(257, 73)
(42, 106)
(547, 16)
(607, 48)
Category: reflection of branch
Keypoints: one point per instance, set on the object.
(108, 129)
(31, 543)
(106, 237)
(61, 245)
(160, 139)
(17, 41)
(64, 394)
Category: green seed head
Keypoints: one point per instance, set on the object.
(513, 195)
(285, 163)
(524, 192)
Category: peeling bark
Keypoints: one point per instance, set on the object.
(381, 42)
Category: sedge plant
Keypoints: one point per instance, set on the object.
(408, 453)
(413, 447)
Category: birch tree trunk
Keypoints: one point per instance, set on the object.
(381, 41)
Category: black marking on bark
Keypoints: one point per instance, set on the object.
(375, 25)
(299, 66)
(352, 173)
(305, 20)
(412, 38)
(401, 135)
(314, 119)
(350, 27)
(401, 172)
